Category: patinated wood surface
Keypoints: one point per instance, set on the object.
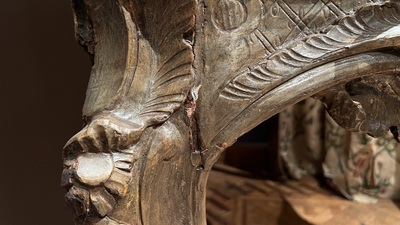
(175, 82)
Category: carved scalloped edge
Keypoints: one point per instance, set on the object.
(367, 23)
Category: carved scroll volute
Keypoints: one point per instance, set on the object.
(131, 164)
(283, 52)
(368, 104)
(175, 82)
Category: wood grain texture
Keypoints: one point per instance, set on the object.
(236, 200)
(176, 82)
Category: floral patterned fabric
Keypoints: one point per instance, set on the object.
(362, 168)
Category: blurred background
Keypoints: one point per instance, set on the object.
(43, 78)
(44, 74)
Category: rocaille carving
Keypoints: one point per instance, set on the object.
(175, 82)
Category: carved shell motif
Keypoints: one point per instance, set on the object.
(229, 14)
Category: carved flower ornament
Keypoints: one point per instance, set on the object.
(95, 176)
(95, 180)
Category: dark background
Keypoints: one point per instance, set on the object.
(43, 78)
(44, 73)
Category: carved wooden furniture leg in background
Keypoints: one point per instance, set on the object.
(175, 82)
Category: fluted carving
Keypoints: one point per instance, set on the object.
(175, 82)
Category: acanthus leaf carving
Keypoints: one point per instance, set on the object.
(156, 87)
(169, 76)
(150, 140)
(352, 30)
(142, 74)
(368, 104)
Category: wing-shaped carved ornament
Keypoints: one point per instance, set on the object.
(142, 73)
(366, 25)
(371, 27)
(172, 79)
(142, 69)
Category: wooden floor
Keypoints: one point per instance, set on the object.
(235, 199)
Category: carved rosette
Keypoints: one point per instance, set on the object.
(175, 82)
(97, 175)
(142, 74)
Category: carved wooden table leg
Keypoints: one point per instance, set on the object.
(175, 82)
